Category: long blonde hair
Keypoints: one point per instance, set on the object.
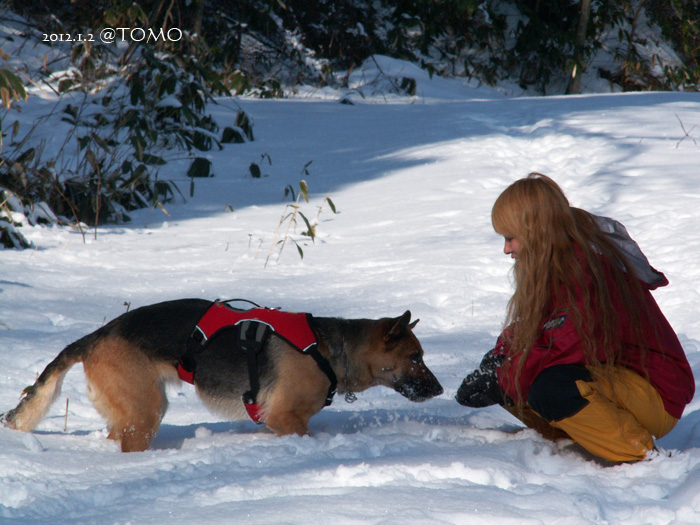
(562, 255)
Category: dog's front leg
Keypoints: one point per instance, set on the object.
(298, 393)
(283, 423)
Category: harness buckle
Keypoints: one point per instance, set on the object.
(198, 335)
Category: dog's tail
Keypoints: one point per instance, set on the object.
(38, 398)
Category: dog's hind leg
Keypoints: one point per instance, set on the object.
(128, 388)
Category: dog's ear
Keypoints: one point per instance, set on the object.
(400, 327)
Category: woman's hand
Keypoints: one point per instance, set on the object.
(480, 388)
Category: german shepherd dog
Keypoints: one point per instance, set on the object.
(128, 362)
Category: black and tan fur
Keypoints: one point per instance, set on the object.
(128, 362)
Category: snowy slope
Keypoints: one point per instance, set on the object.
(413, 180)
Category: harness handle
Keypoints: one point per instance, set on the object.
(240, 301)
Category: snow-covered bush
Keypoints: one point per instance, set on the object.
(126, 108)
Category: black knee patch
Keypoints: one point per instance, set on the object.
(553, 393)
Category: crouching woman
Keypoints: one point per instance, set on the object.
(587, 353)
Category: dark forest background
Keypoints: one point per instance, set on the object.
(124, 129)
(264, 45)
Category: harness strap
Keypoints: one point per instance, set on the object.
(326, 368)
(253, 335)
(187, 363)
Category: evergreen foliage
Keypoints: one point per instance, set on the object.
(152, 95)
(263, 47)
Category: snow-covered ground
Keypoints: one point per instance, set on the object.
(413, 180)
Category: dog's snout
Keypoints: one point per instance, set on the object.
(419, 388)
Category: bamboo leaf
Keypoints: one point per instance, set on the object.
(6, 99)
(15, 129)
(311, 231)
(200, 167)
(11, 87)
(305, 169)
(100, 141)
(290, 190)
(90, 156)
(153, 159)
(304, 190)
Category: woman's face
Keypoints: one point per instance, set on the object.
(512, 247)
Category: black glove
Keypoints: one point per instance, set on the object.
(480, 388)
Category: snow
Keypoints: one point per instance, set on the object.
(413, 179)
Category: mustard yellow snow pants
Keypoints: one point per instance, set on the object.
(617, 423)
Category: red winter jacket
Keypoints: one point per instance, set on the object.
(559, 343)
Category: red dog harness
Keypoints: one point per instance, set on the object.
(255, 327)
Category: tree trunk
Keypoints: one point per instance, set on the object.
(198, 16)
(574, 86)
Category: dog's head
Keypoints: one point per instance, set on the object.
(398, 362)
